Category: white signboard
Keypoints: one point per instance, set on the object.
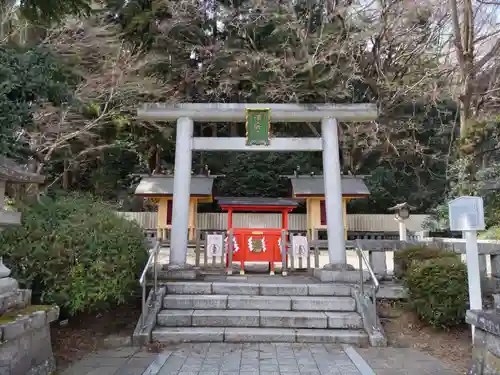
(300, 246)
(466, 214)
(214, 245)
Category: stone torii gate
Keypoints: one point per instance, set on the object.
(328, 143)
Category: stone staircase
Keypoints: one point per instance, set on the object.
(259, 312)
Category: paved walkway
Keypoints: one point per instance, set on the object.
(259, 359)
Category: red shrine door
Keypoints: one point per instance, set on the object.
(257, 244)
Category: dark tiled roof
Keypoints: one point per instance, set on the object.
(257, 201)
(164, 185)
(314, 185)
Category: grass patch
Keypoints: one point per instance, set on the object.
(13, 315)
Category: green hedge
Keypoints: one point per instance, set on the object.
(74, 251)
(493, 233)
(438, 291)
(418, 253)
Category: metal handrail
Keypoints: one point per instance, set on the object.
(152, 260)
(362, 258)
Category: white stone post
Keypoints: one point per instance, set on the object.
(473, 273)
(333, 192)
(182, 184)
(402, 230)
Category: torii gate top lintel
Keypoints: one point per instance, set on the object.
(235, 112)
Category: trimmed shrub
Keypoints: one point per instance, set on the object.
(418, 253)
(492, 233)
(438, 291)
(74, 251)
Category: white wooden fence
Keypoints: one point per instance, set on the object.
(381, 256)
(297, 222)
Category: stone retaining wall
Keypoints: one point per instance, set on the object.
(486, 351)
(25, 346)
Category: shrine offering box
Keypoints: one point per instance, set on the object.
(257, 244)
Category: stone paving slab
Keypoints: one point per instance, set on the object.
(221, 359)
(259, 359)
(403, 361)
(123, 361)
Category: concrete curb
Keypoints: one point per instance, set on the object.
(371, 322)
(142, 334)
(358, 361)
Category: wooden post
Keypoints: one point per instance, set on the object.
(284, 249)
(214, 258)
(205, 256)
(223, 256)
(308, 260)
(197, 248)
(230, 251)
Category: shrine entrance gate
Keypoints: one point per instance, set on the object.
(256, 117)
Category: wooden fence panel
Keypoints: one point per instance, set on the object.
(297, 222)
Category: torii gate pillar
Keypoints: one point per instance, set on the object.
(182, 182)
(333, 192)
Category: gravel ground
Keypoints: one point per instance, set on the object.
(403, 329)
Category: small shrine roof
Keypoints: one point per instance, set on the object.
(163, 185)
(257, 201)
(14, 172)
(304, 185)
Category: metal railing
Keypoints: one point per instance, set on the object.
(376, 285)
(152, 260)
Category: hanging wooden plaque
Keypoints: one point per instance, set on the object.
(258, 126)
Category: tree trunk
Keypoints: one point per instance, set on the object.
(66, 175)
(157, 160)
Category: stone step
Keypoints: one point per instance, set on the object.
(255, 289)
(196, 302)
(174, 335)
(208, 318)
(256, 318)
(318, 303)
(344, 320)
(310, 319)
(246, 302)
(245, 335)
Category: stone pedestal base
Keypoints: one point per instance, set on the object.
(178, 272)
(338, 267)
(486, 351)
(340, 273)
(8, 284)
(25, 347)
(14, 300)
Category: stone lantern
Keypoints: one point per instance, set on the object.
(402, 213)
(25, 346)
